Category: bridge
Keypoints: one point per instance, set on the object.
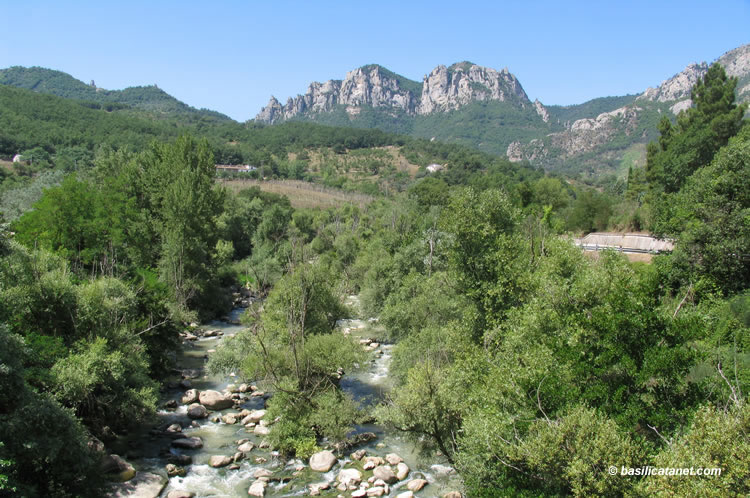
(631, 243)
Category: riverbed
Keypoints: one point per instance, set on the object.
(150, 450)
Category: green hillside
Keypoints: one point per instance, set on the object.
(149, 98)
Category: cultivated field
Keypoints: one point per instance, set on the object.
(302, 194)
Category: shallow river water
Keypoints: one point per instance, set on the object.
(149, 450)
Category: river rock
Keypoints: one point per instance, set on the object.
(261, 430)
(453, 494)
(402, 470)
(179, 459)
(180, 494)
(190, 443)
(358, 455)
(322, 461)
(174, 428)
(254, 417)
(117, 469)
(190, 396)
(262, 473)
(196, 411)
(214, 400)
(246, 447)
(384, 473)
(349, 477)
(405, 494)
(371, 462)
(229, 419)
(144, 485)
(243, 388)
(376, 491)
(315, 489)
(175, 471)
(393, 459)
(257, 488)
(217, 461)
(360, 493)
(416, 484)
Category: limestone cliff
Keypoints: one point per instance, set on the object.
(448, 88)
(369, 85)
(444, 89)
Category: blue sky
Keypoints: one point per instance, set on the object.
(232, 55)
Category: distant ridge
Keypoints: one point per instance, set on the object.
(149, 98)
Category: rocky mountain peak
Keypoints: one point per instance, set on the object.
(677, 87)
(444, 89)
(447, 89)
(370, 85)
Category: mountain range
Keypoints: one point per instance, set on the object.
(490, 110)
(463, 103)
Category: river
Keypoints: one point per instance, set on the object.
(149, 449)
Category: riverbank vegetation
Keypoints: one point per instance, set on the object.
(530, 367)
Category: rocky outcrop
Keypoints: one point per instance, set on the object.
(447, 89)
(444, 89)
(366, 86)
(541, 110)
(678, 86)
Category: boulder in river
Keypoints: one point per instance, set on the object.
(453, 494)
(174, 428)
(229, 418)
(405, 494)
(349, 477)
(416, 484)
(257, 488)
(175, 471)
(322, 461)
(358, 455)
(246, 447)
(116, 468)
(179, 459)
(190, 443)
(180, 494)
(402, 470)
(217, 461)
(372, 461)
(385, 473)
(254, 416)
(261, 430)
(196, 411)
(393, 459)
(261, 472)
(214, 400)
(190, 396)
(144, 485)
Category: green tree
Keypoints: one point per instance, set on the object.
(698, 134)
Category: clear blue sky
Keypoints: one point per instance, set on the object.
(232, 55)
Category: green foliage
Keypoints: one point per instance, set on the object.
(45, 444)
(486, 251)
(711, 214)
(715, 439)
(569, 455)
(105, 384)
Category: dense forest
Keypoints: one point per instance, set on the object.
(530, 366)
